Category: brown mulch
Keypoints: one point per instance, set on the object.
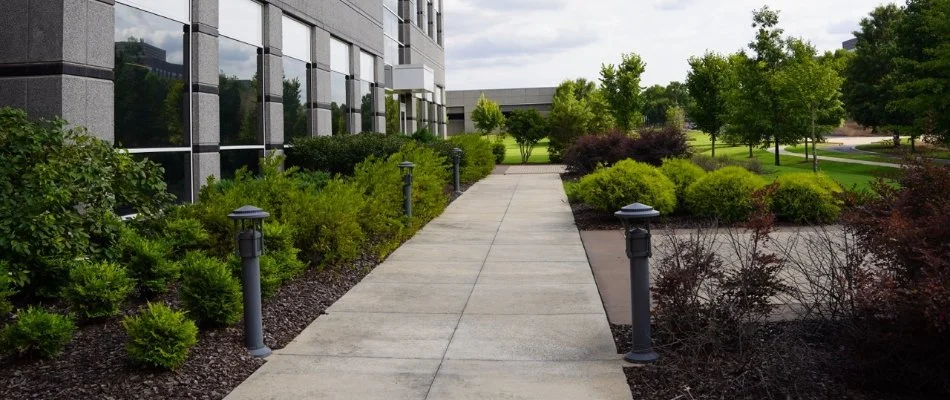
(95, 365)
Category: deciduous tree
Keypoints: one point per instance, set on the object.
(528, 127)
(487, 115)
(706, 83)
(621, 88)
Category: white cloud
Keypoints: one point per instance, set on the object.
(526, 43)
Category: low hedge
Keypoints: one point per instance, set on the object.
(807, 198)
(610, 189)
(478, 159)
(725, 194)
(683, 173)
(340, 154)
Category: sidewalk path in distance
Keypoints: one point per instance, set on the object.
(494, 299)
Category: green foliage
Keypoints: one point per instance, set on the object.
(725, 194)
(279, 243)
(487, 115)
(148, 262)
(528, 128)
(185, 234)
(6, 290)
(97, 290)
(869, 85)
(328, 223)
(621, 88)
(676, 118)
(655, 105)
(38, 332)
(340, 154)
(807, 198)
(392, 114)
(573, 192)
(159, 337)
(706, 82)
(682, 172)
(60, 189)
(499, 150)
(627, 182)
(424, 135)
(569, 119)
(209, 292)
(478, 158)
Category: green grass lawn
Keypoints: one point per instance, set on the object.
(848, 175)
(923, 149)
(538, 156)
(822, 152)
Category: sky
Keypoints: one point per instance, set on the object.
(493, 44)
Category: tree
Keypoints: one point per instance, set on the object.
(676, 118)
(487, 115)
(569, 119)
(922, 72)
(813, 87)
(295, 114)
(392, 114)
(706, 85)
(655, 104)
(601, 120)
(528, 128)
(869, 84)
(621, 87)
(742, 98)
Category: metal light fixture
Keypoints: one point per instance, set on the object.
(249, 221)
(636, 226)
(456, 160)
(406, 168)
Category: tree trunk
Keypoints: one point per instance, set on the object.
(913, 147)
(778, 161)
(750, 151)
(806, 149)
(713, 145)
(814, 144)
(897, 139)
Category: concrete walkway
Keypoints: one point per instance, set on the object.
(493, 300)
(784, 152)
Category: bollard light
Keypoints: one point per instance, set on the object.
(456, 160)
(406, 168)
(636, 226)
(249, 221)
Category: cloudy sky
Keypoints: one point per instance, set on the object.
(532, 43)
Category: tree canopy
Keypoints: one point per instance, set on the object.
(487, 115)
(621, 87)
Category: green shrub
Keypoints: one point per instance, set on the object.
(311, 181)
(725, 194)
(148, 262)
(6, 290)
(38, 332)
(209, 291)
(160, 337)
(328, 223)
(807, 197)
(627, 182)
(682, 172)
(279, 239)
(340, 154)
(478, 159)
(424, 135)
(97, 290)
(60, 189)
(572, 190)
(499, 150)
(185, 234)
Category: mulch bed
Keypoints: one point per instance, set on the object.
(95, 365)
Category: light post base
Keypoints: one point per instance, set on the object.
(260, 352)
(648, 357)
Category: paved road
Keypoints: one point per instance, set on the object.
(495, 299)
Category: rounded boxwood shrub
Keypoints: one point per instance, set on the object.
(478, 159)
(682, 172)
(725, 194)
(807, 198)
(628, 181)
(499, 150)
(159, 337)
(97, 290)
(209, 292)
(148, 262)
(38, 332)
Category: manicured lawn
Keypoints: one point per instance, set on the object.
(538, 156)
(847, 175)
(923, 149)
(822, 152)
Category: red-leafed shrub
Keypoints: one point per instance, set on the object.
(655, 144)
(906, 227)
(588, 152)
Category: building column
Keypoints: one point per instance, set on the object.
(273, 101)
(443, 123)
(379, 95)
(353, 98)
(57, 59)
(206, 121)
(411, 113)
(320, 90)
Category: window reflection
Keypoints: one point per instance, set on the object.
(295, 98)
(367, 107)
(338, 106)
(238, 93)
(393, 121)
(234, 160)
(150, 91)
(177, 171)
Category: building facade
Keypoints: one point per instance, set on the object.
(205, 87)
(461, 103)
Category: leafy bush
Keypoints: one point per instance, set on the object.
(478, 159)
(528, 127)
(311, 181)
(424, 135)
(209, 292)
(148, 262)
(682, 172)
(807, 197)
(38, 332)
(340, 154)
(97, 290)
(627, 182)
(725, 194)
(710, 164)
(185, 234)
(588, 152)
(6, 290)
(160, 337)
(499, 150)
(655, 144)
(572, 190)
(328, 223)
(61, 187)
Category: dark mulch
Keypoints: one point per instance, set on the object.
(95, 366)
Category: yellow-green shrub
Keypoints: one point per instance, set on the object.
(807, 197)
(683, 173)
(725, 194)
(477, 160)
(37, 331)
(159, 337)
(628, 181)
